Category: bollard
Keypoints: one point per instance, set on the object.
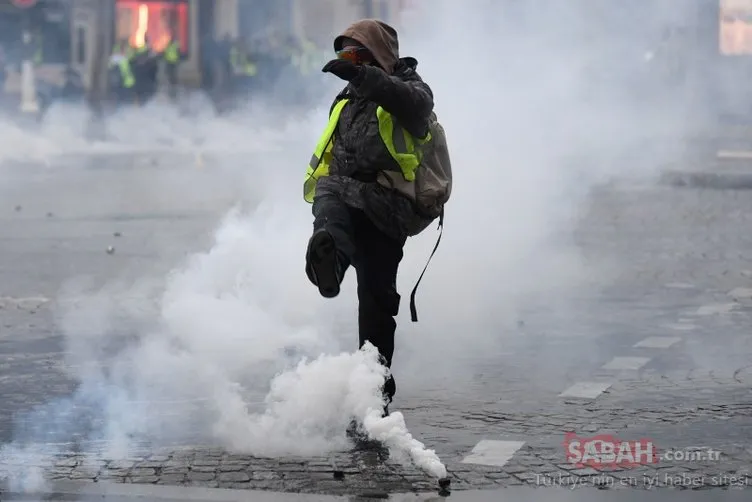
(29, 103)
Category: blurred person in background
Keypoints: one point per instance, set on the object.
(244, 69)
(145, 67)
(121, 77)
(357, 220)
(304, 65)
(209, 61)
(224, 73)
(172, 57)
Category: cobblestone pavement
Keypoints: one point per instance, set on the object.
(659, 350)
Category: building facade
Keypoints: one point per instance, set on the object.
(138, 22)
(194, 21)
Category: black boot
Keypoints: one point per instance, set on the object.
(361, 442)
(322, 265)
(390, 388)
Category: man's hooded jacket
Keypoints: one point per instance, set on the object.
(359, 153)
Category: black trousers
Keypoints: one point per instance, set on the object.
(375, 258)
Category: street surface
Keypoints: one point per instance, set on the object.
(660, 350)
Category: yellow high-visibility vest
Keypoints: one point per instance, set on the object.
(404, 148)
(172, 52)
(126, 73)
(241, 64)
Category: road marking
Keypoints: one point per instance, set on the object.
(715, 309)
(734, 154)
(679, 285)
(491, 452)
(657, 342)
(586, 390)
(626, 363)
(681, 326)
(28, 302)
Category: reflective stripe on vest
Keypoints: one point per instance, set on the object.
(322, 156)
(402, 146)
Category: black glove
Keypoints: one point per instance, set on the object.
(344, 69)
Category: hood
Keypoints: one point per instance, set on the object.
(376, 36)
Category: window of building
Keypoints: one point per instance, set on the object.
(735, 27)
(153, 23)
(49, 22)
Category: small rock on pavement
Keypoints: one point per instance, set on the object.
(741, 293)
(110, 250)
(117, 234)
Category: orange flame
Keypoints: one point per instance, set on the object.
(143, 23)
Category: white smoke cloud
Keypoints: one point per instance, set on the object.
(541, 103)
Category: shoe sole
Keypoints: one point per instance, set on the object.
(323, 261)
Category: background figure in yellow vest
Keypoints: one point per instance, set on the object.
(122, 78)
(244, 68)
(358, 221)
(172, 56)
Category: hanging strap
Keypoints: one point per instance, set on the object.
(413, 309)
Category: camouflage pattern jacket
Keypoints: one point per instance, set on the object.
(359, 153)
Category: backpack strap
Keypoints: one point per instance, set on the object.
(413, 309)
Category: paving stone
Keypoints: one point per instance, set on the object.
(174, 472)
(172, 479)
(120, 464)
(203, 484)
(108, 476)
(300, 467)
(233, 468)
(68, 462)
(201, 476)
(514, 469)
(175, 464)
(142, 471)
(205, 463)
(203, 468)
(265, 476)
(268, 485)
(234, 477)
(150, 464)
(83, 474)
(142, 479)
